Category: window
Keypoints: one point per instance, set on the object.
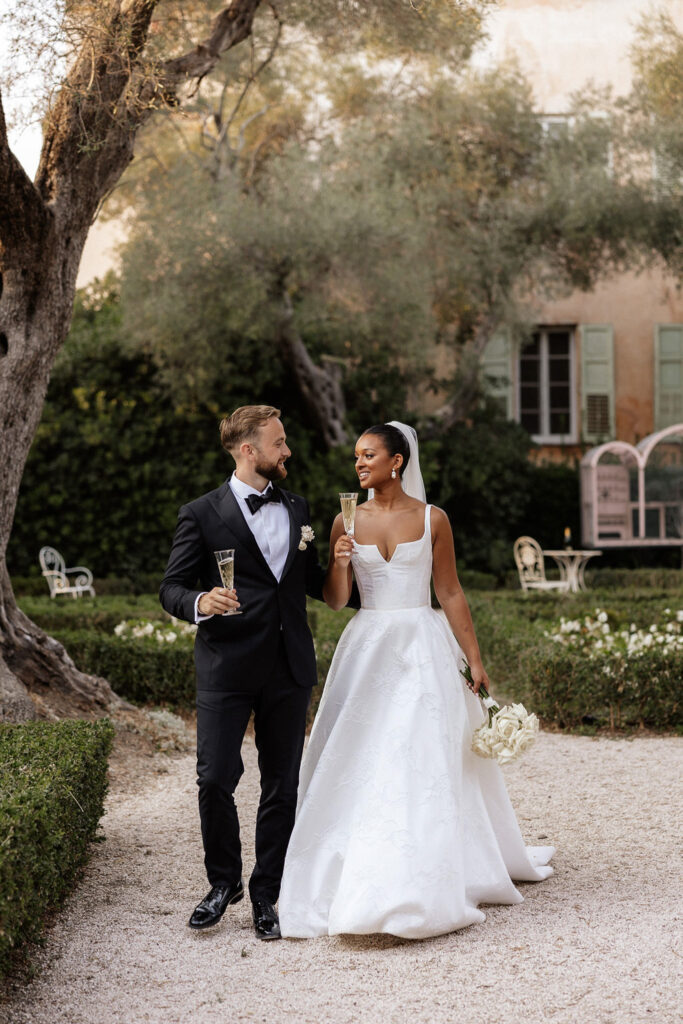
(668, 376)
(597, 383)
(546, 386)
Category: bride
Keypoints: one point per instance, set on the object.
(400, 828)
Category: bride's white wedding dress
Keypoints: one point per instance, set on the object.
(400, 828)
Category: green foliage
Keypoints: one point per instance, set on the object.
(416, 212)
(553, 502)
(137, 583)
(147, 672)
(564, 687)
(326, 626)
(86, 613)
(52, 788)
(487, 496)
(141, 671)
(522, 663)
(116, 454)
(568, 689)
(111, 457)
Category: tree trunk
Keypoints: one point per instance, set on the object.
(37, 299)
(320, 386)
(89, 138)
(37, 677)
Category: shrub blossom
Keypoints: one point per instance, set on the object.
(163, 633)
(599, 641)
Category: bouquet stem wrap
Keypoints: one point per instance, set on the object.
(507, 733)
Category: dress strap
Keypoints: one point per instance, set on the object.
(428, 522)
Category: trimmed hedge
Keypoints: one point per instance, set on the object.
(625, 580)
(573, 692)
(558, 685)
(109, 586)
(52, 787)
(146, 672)
(85, 613)
(141, 671)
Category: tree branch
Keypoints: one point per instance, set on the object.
(320, 387)
(230, 27)
(109, 94)
(24, 219)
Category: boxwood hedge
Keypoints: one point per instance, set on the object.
(141, 671)
(52, 787)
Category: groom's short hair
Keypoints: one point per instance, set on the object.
(243, 424)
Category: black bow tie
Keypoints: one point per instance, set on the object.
(255, 501)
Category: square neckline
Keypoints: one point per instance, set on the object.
(401, 543)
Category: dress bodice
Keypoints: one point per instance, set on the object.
(403, 581)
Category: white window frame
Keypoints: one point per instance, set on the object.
(545, 437)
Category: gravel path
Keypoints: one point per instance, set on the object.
(596, 942)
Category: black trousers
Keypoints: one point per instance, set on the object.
(279, 707)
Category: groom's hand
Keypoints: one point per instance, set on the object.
(217, 601)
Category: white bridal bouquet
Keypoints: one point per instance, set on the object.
(508, 732)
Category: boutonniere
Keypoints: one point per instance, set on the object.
(307, 536)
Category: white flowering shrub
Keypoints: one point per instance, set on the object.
(163, 633)
(602, 641)
(598, 672)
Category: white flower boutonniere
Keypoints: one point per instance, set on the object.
(307, 536)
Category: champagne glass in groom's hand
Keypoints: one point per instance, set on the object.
(226, 568)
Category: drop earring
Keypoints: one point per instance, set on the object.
(393, 474)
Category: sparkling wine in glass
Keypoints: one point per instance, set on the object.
(348, 501)
(226, 568)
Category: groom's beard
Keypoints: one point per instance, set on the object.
(271, 472)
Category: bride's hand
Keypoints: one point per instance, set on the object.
(479, 678)
(343, 549)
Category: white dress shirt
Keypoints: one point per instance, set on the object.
(270, 527)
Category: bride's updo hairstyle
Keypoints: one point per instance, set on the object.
(395, 442)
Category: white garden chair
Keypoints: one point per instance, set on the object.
(531, 567)
(52, 565)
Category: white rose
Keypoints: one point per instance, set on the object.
(512, 731)
(480, 741)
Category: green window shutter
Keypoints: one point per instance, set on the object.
(668, 375)
(597, 382)
(496, 371)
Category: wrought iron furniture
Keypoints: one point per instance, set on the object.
(531, 567)
(572, 564)
(58, 578)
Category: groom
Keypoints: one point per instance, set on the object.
(261, 660)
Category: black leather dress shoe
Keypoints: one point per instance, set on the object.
(212, 907)
(266, 921)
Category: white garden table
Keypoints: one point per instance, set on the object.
(572, 563)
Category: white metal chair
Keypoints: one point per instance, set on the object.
(531, 567)
(52, 565)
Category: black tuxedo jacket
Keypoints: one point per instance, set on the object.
(237, 652)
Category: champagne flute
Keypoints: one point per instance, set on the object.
(348, 500)
(226, 568)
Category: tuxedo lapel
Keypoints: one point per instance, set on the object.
(294, 532)
(226, 505)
